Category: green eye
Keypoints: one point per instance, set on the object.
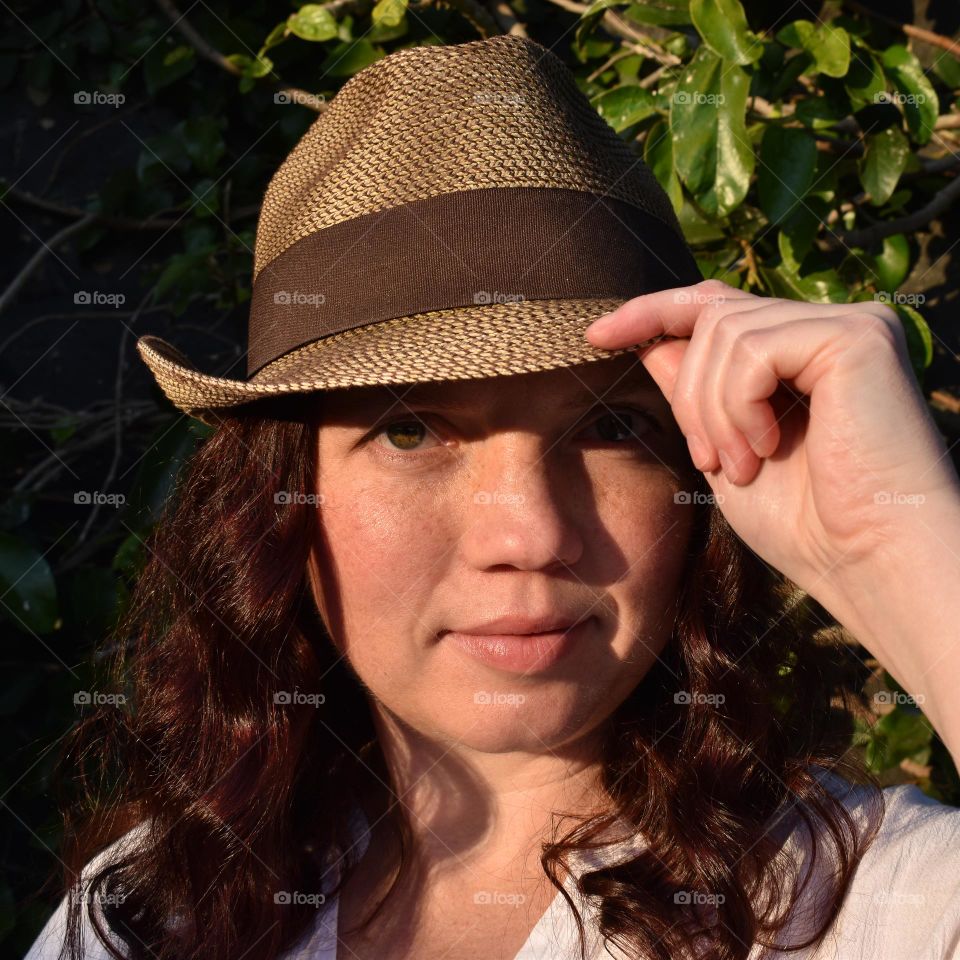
(405, 434)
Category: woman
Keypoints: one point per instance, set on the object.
(464, 634)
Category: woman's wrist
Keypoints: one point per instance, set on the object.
(903, 605)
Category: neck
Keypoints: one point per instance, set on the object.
(474, 810)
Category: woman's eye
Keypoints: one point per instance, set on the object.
(617, 426)
(404, 434)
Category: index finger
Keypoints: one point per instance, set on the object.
(671, 312)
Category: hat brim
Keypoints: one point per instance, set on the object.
(497, 339)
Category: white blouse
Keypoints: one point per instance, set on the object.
(903, 902)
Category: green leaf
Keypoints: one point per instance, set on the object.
(712, 152)
(276, 36)
(818, 112)
(389, 13)
(697, 229)
(864, 81)
(891, 266)
(313, 22)
(28, 593)
(915, 93)
(723, 26)
(947, 67)
(919, 337)
(820, 286)
(203, 142)
(622, 107)
(658, 156)
(828, 45)
(799, 228)
(788, 161)
(884, 159)
(659, 13)
(350, 57)
(899, 735)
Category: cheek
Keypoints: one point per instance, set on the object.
(380, 552)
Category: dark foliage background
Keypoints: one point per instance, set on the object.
(810, 151)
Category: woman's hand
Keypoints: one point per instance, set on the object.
(805, 418)
(832, 468)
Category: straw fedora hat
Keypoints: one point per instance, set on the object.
(457, 211)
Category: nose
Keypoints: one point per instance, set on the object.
(519, 512)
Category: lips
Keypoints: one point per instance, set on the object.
(518, 624)
(524, 651)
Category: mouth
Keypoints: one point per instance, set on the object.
(520, 653)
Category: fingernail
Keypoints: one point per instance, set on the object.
(698, 451)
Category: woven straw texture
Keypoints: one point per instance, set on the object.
(501, 112)
(423, 121)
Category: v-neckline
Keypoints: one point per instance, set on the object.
(541, 943)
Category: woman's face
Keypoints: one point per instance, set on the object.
(445, 506)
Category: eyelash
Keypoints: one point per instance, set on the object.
(396, 453)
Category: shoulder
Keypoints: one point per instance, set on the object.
(904, 896)
(53, 937)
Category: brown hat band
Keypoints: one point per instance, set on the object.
(461, 249)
